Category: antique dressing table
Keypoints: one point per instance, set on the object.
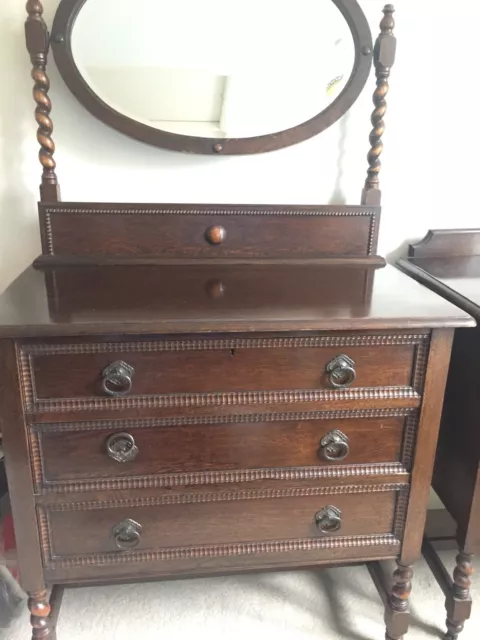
(192, 390)
(448, 262)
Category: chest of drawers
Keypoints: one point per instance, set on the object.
(197, 389)
(163, 453)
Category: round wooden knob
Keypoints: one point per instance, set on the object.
(215, 235)
(215, 289)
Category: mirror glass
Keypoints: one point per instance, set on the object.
(212, 68)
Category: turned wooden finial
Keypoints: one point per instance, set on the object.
(384, 57)
(38, 43)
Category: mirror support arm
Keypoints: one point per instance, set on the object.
(384, 58)
(38, 44)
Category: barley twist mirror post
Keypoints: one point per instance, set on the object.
(38, 45)
(384, 57)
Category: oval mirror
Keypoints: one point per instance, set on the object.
(209, 77)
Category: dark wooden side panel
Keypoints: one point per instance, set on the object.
(456, 474)
(437, 369)
(18, 471)
(181, 231)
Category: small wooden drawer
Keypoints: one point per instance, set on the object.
(212, 372)
(215, 449)
(182, 525)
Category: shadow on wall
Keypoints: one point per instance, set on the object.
(19, 236)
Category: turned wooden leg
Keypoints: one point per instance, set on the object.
(459, 602)
(397, 616)
(39, 606)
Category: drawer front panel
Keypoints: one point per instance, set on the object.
(175, 522)
(227, 369)
(84, 451)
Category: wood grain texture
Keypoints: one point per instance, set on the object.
(228, 370)
(339, 298)
(164, 231)
(63, 376)
(225, 521)
(66, 456)
(18, 471)
(430, 414)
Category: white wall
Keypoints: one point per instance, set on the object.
(430, 173)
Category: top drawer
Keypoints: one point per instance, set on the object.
(86, 375)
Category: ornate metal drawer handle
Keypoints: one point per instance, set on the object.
(121, 447)
(117, 378)
(127, 534)
(341, 371)
(334, 446)
(328, 519)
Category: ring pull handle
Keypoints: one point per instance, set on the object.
(328, 519)
(341, 371)
(117, 378)
(334, 446)
(121, 447)
(127, 534)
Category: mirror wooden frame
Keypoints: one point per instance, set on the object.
(64, 23)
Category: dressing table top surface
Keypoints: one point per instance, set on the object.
(448, 262)
(459, 275)
(218, 298)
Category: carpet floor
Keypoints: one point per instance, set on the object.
(331, 604)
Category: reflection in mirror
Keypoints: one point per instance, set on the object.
(210, 69)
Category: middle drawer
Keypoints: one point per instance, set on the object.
(215, 448)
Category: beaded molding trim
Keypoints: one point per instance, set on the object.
(254, 418)
(222, 551)
(211, 211)
(28, 351)
(225, 496)
(43, 485)
(198, 478)
(219, 399)
(328, 340)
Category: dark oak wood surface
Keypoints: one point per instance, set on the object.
(251, 366)
(84, 532)
(140, 300)
(79, 451)
(72, 231)
(448, 262)
(230, 316)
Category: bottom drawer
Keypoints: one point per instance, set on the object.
(182, 526)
